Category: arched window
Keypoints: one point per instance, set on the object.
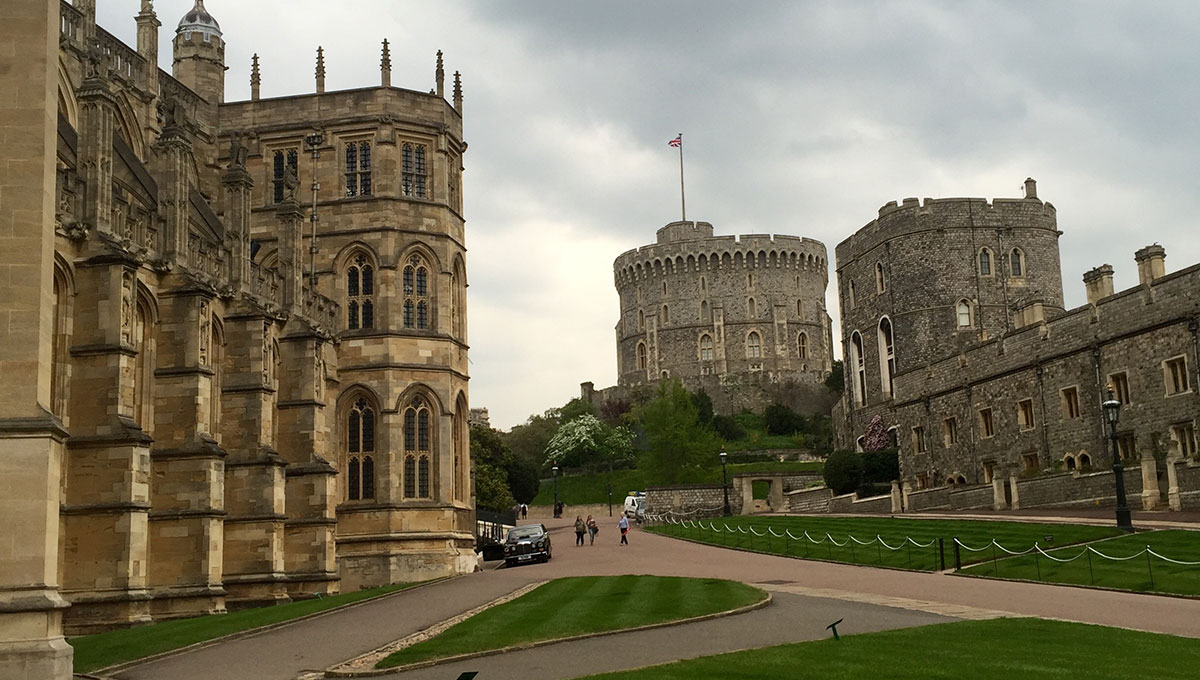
(143, 372)
(880, 284)
(641, 356)
(703, 284)
(887, 356)
(666, 316)
(458, 302)
(704, 310)
(802, 346)
(59, 349)
(360, 447)
(1016, 262)
(1085, 461)
(985, 262)
(360, 293)
(1070, 461)
(799, 308)
(462, 480)
(418, 448)
(962, 313)
(751, 308)
(641, 320)
(216, 361)
(416, 294)
(706, 347)
(857, 359)
(853, 296)
(753, 346)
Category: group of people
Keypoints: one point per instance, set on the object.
(590, 528)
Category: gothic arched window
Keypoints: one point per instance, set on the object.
(880, 283)
(706, 347)
(1016, 262)
(641, 356)
(802, 346)
(416, 294)
(753, 345)
(418, 447)
(360, 449)
(962, 313)
(704, 310)
(859, 365)
(887, 356)
(360, 293)
(985, 262)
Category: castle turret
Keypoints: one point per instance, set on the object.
(200, 54)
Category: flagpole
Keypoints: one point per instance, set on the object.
(682, 196)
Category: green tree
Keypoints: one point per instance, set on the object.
(678, 446)
(782, 420)
(704, 406)
(528, 441)
(491, 488)
(836, 380)
(587, 441)
(501, 478)
(575, 408)
(843, 471)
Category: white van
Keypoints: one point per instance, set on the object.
(635, 505)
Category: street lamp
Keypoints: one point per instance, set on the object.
(555, 471)
(724, 482)
(1112, 414)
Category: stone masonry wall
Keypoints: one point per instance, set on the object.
(929, 499)
(981, 496)
(1073, 490)
(809, 501)
(692, 500)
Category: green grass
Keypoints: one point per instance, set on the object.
(587, 489)
(1134, 574)
(1015, 535)
(757, 441)
(1000, 649)
(102, 650)
(575, 606)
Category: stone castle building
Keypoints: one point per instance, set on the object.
(955, 335)
(741, 316)
(234, 333)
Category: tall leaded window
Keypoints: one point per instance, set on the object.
(413, 170)
(887, 356)
(416, 294)
(985, 262)
(880, 282)
(753, 345)
(641, 356)
(802, 346)
(282, 159)
(360, 449)
(859, 364)
(704, 310)
(360, 293)
(706, 347)
(358, 168)
(1016, 262)
(417, 450)
(962, 313)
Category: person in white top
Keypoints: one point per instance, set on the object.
(623, 525)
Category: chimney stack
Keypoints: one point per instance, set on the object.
(1030, 188)
(1099, 283)
(1150, 263)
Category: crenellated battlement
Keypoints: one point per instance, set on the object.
(719, 252)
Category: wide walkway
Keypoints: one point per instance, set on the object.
(868, 598)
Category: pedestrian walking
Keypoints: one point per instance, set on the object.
(623, 525)
(524, 510)
(593, 529)
(580, 528)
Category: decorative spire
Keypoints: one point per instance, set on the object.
(255, 79)
(320, 69)
(458, 93)
(440, 76)
(385, 66)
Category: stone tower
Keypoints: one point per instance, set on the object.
(200, 54)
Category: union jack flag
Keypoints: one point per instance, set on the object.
(677, 142)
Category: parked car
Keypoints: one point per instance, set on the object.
(526, 544)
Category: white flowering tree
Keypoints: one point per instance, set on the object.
(587, 441)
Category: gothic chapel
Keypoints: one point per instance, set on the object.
(251, 357)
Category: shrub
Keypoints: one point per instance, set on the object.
(782, 420)
(880, 467)
(843, 471)
(728, 427)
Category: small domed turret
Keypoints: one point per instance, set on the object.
(198, 20)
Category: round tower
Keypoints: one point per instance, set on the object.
(199, 53)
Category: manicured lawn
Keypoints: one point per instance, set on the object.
(583, 489)
(1137, 573)
(108, 649)
(574, 606)
(1013, 535)
(1000, 649)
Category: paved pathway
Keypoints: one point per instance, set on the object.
(821, 589)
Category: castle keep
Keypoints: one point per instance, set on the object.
(241, 346)
(955, 336)
(741, 316)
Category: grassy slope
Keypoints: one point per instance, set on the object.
(981, 650)
(107, 649)
(573, 606)
(1016, 535)
(1134, 574)
(582, 489)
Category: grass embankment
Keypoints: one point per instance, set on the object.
(1133, 573)
(586, 489)
(1014, 535)
(102, 650)
(576, 606)
(999, 649)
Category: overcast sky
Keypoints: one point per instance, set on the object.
(798, 118)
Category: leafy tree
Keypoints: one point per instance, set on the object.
(587, 441)
(728, 428)
(573, 409)
(876, 438)
(500, 476)
(491, 488)
(528, 441)
(523, 480)
(880, 467)
(678, 446)
(782, 420)
(704, 406)
(612, 411)
(836, 380)
(843, 471)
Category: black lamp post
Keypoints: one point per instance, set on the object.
(724, 482)
(1112, 414)
(555, 471)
